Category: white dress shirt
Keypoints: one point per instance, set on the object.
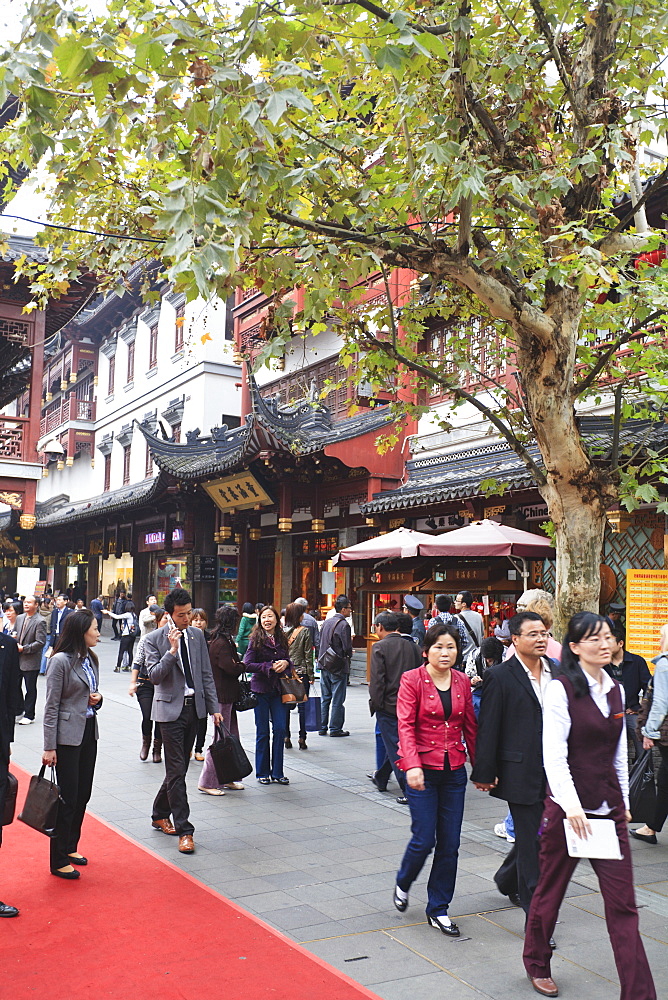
(186, 690)
(539, 684)
(556, 730)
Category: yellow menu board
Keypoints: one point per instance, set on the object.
(646, 610)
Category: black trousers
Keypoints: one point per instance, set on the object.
(126, 645)
(145, 699)
(200, 735)
(172, 798)
(524, 855)
(74, 773)
(30, 680)
(389, 730)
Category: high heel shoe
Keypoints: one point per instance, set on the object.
(287, 743)
(452, 930)
(302, 744)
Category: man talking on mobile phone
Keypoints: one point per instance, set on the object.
(177, 663)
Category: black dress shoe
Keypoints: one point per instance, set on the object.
(8, 911)
(402, 800)
(374, 779)
(400, 903)
(340, 732)
(647, 838)
(67, 875)
(514, 899)
(452, 930)
(78, 861)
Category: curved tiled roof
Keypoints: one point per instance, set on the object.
(303, 428)
(50, 516)
(458, 476)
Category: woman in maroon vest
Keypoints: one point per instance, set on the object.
(584, 753)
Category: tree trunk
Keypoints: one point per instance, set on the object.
(577, 492)
(579, 544)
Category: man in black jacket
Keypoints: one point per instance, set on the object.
(119, 609)
(633, 674)
(509, 750)
(11, 705)
(391, 657)
(335, 636)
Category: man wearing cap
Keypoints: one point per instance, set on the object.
(415, 608)
(616, 612)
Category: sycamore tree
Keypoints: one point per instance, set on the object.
(486, 146)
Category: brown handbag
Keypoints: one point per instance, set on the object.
(293, 691)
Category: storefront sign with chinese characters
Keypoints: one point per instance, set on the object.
(152, 541)
(237, 492)
(646, 610)
(205, 569)
(494, 511)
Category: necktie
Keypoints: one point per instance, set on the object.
(185, 660)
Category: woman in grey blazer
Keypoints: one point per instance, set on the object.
(70, 733)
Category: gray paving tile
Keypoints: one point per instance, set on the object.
(372, 958)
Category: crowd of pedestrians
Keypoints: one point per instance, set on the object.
(545, 727)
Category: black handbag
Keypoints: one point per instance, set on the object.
(642, 789)
(229, 757)
(247, 699)
(10, 799)
(40, 809)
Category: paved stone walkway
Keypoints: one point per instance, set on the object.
(317, 861)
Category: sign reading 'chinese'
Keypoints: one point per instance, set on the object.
(237, 492)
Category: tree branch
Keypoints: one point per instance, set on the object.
(616, 242)
(431, 375)
(545, 28)
(602, 362)
(385, 15)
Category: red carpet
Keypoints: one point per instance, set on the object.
(136, 927)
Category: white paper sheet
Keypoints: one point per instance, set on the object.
(602, 842)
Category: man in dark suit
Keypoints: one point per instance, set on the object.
(177, 663)
(30, 636)
(119, 609)
(58, 616)
(509, 747)
(11, 705)
(391, 657)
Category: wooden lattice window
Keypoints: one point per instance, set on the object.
(107, 473)
(131, 362)
(112, 376)
(126, 464)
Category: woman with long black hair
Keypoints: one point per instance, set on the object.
(70, 733)
(585, 758)
(226, 668)
(267, 658)
(129, 624)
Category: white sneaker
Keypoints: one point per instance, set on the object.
(26, 722)
(500, 831)
(511, 840)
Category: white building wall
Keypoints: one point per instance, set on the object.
(202, 375)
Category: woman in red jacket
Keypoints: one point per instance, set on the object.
(435, 713)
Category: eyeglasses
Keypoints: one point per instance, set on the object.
(535, 635)
(597, 640)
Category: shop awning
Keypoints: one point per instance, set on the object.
(486, 538)
(400, 544)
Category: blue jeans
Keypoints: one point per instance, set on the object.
(389, 730)
(44, 662)
(436, 820)
(476, 695)
(332, 696)
(269, 706)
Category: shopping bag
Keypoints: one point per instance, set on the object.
(642, 789)
(10, 800)
(313, 712)
(40, 809)
(229, 757)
